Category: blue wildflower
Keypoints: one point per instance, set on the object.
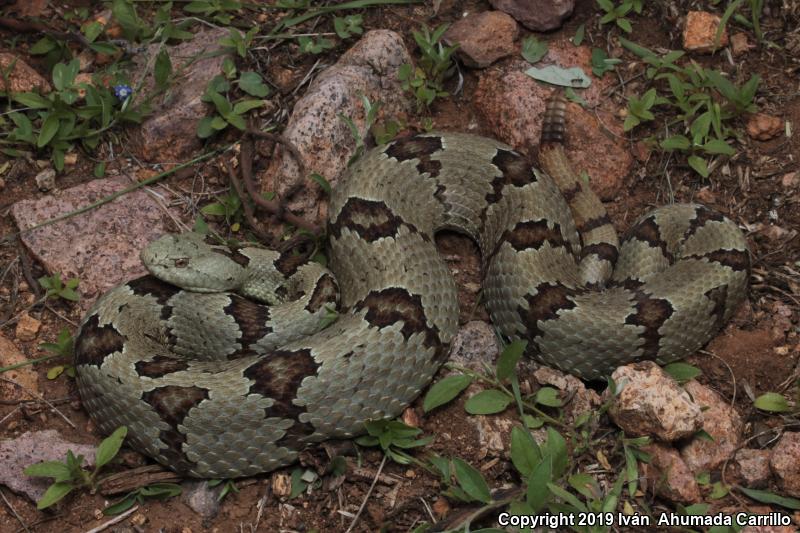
(122, 91)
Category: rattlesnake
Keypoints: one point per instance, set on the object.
(215, 385)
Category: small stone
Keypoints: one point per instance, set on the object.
(753, 467)
(138, 519)
(739, 44)
(763, 127)
(281, 485)
(668, 476)
(410, 474)
(2, 184)
(27, 327)
(441, 508)
(20, 382)
(21, 78)
(98, 514)
(700, 32)
(201, 498)
(70, 159)
(706, 196)
(46, 180)
(411, 418)
(721, 421)
(474, 344)
(483, 38)
(85, 60)
(785, 463)
(537, 15)
(652, 403)
(789, 181)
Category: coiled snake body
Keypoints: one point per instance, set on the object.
(214, 384)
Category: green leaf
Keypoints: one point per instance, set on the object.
(236, 121)
(533, 50)
(253, 84)
(772, 402)
(699, 165)
(487, 402)
(718, 146)
(507, 362)
(444, 391)
(204, 129)
(625, 24)
(92, 30)
(636, 49)
(567, 497)
(42, 46)
(548, 396)
(53, 469)
(525, 453)
(565, 77)
(538, 494)
(162, 69)
(125, 13)
(121, 506)
(555, 448)
(719, 490)
(768, 497)
(579, 34)
(676, 142)
(54, 493)
(100, 169)
(48, 131)
(682, 372)
(471, 480)
(108, 449)
(322, 182)
(55, 371)
(585, 485)
(244, 106)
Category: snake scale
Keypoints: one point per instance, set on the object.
(207, 361)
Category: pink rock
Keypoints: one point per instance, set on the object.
(752, 466)
(652, 403)
(324, 141)
(483, 38)
(668, 476)
(785, 463)
(721, 421)
(537, 15)
(700, 32)
(21, 78)
(170, 133)
(100, 247)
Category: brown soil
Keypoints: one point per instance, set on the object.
(756, 353)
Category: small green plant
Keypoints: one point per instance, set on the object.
(616, 13)
(381, 133)
(704, 100)
(309, 45)
(533, 49)
(346, 27)
(53, 286)
(58, 121)
(639, 109)
(70, 474)
(394, 437)
(228, 112)
(426, 81)
(601, 63)
(753, 23)
(63, 347)
(238, 41)
(228, 205)
(214, 10)
(772, 402)
(228, 487)
(156, 491)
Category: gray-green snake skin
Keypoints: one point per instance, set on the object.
(216, 384)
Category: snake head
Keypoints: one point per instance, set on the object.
(191, 262)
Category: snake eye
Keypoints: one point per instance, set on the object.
(182, 262)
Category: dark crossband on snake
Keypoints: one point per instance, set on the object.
(217, 362)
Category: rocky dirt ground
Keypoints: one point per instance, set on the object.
(715, 439)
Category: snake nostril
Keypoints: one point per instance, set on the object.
(181, 263)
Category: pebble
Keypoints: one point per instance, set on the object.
(763, 127)
(46, 180)
(27, 327)
(700, 32)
